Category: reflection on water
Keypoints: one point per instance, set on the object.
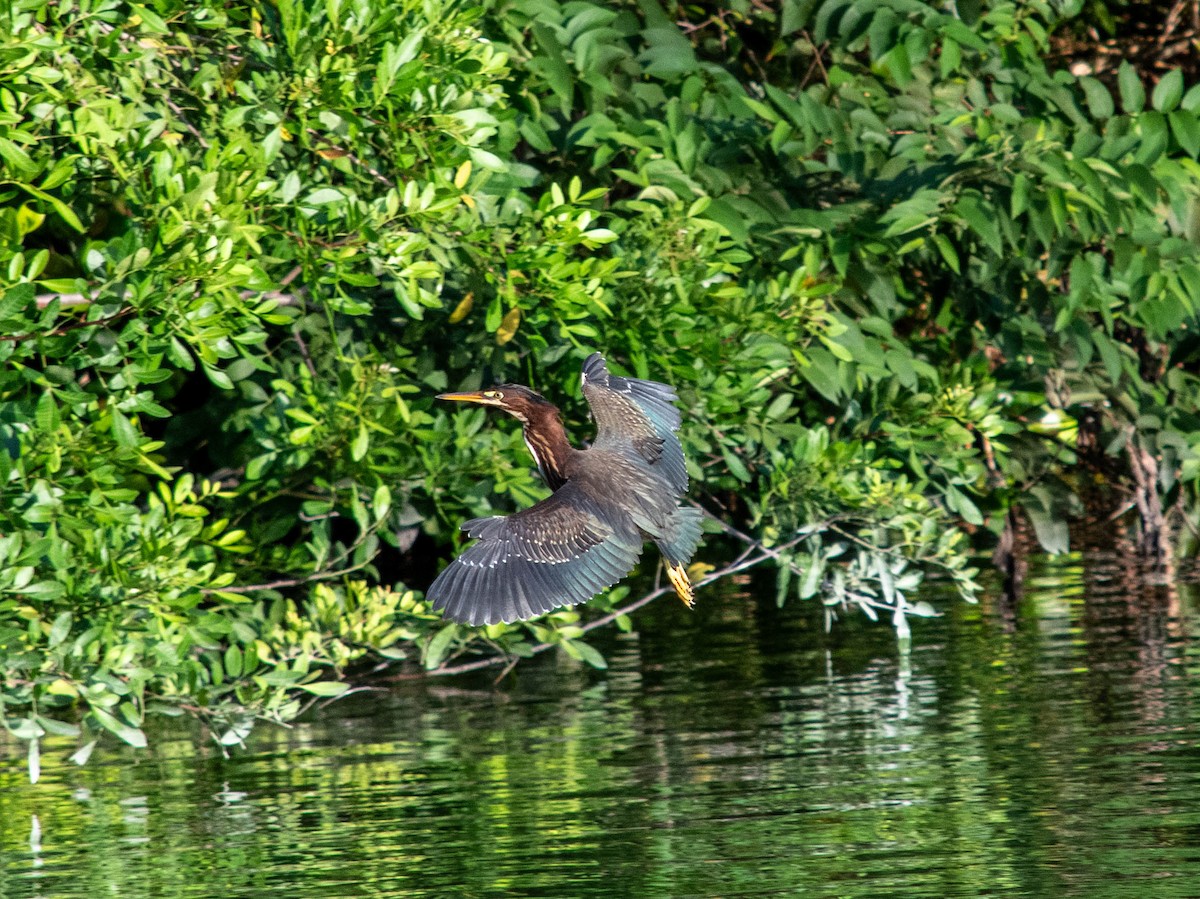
(735, 752)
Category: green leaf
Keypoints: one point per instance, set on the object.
(60, 629)
(324, 688)
(822, 373)
(28, 221)
(381, 502)
(882, 32)
(1020, 194)
(814, 573)
(551, 64)
(585, 652)
(17, 160)
(1168, 92)
(46, 415)
(1154, 138)
(735, 465)
(947, 251)
(1186, 128)
(1109, 355)
(131, 735)
(439, 645)
(828, 19)
(361, 444)
(837, 350)
(218, 377)
(779, 407)
(122, 428)
(15, 298)
(668, 53)
(233, 661)
(1133, 95)
(897, 62)
(959, 502)
(62, 209)
(324, 196)
(1142, 183)
(290, 187)
(1099, 100)
(796, 14)
(900, 363)
(981, 217)
(1050, 525)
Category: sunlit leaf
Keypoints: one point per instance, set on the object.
(1168, 92)
(131, 735)
(324, 688)
(436, 649)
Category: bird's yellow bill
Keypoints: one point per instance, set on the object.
(682, 583)
(470, 396)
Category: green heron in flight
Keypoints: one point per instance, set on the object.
(607, 500)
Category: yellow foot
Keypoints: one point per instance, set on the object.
(682, 583)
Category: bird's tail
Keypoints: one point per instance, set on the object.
(681, 536)
(677, 544)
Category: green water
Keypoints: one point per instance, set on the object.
(736, 751)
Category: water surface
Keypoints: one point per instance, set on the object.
(1048, 750)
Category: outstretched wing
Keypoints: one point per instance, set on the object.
(641, 414)
(559, 552)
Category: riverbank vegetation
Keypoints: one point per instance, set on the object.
(915, 275)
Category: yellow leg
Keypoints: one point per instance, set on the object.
(682, 583)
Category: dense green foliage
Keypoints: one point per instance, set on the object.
(903, 275)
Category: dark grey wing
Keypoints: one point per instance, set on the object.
(636, 413)
(559, 552)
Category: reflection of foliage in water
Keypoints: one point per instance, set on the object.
(1052, 759)
(904, 277)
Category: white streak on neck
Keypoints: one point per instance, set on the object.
(537, 458)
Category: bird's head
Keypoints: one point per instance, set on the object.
(519, 402)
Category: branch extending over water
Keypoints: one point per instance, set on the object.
(774, 553)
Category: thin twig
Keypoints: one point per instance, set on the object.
(288, 582)
(174, 107)
(342, 151)
(820, 63)
(59, 330)
(507, 670)
(304, 354)
(291, 276)
(750, 541)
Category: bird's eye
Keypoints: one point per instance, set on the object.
(492, 394)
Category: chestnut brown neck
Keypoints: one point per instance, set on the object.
(547, 441)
